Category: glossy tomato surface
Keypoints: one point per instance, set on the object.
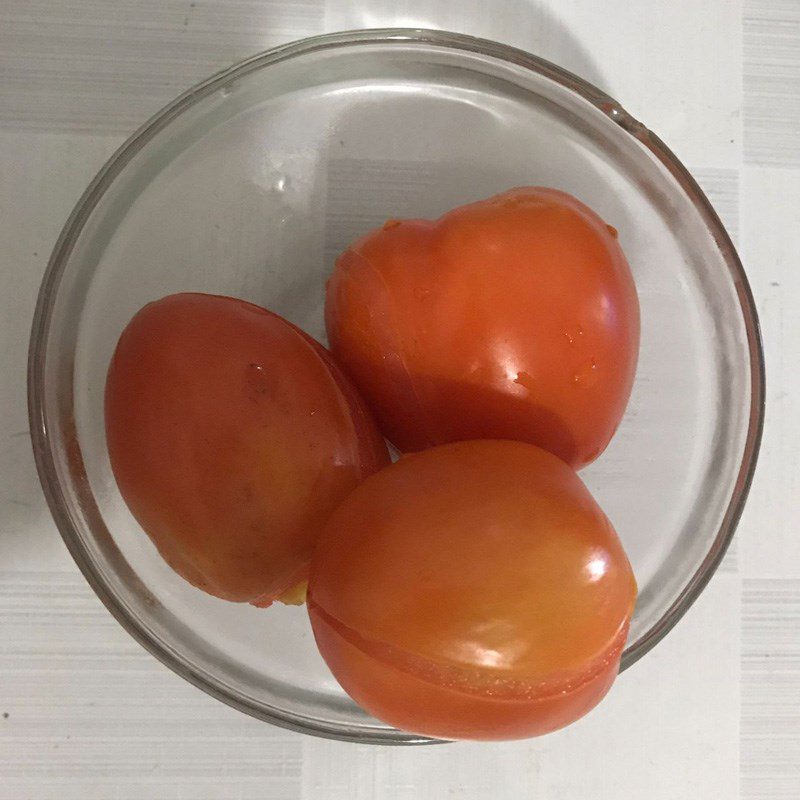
(472, 591)
(515, 317)
(232, 436)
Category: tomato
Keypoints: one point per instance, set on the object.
(474, 590)
(511, 318)
(232, 436)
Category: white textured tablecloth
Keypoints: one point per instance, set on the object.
(713, 713)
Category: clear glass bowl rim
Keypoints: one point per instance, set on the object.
(43, 443)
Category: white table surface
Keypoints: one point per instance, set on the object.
(713, 713)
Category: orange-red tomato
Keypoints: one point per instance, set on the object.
(513, 318)
(472, 591)
(232, 436)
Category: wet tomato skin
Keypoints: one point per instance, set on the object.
(472, 591)
(515, 317)
(232, 436)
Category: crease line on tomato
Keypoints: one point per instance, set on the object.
(456, 678)
(395, 346)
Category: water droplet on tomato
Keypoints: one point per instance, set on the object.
(257, 383)
(586, 375)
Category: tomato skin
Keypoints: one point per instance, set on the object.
(411, 703)
(515, 317)
(472, 591)
(232, 436)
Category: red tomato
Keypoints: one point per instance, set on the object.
(512, 318)
(472, 591)
(232, 436)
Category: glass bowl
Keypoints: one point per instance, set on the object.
(249, 185)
